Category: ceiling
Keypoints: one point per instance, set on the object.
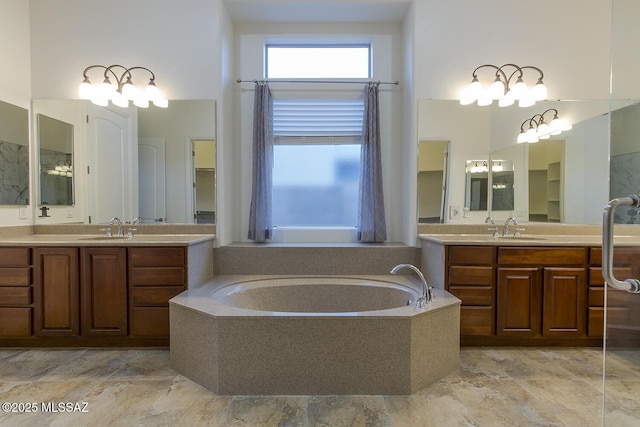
(317, 11)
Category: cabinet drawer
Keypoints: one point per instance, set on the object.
(617, 315)
(17, 276)
(154, 296)
(470, 275)
(157, 276)
(473, 295)
(150, 321)
(471, 255)
(596, 296)
(596, 279)
(15, 322)
(14, 257)
(476, 321)
(15, 296)
(542, 256)
(156, 257)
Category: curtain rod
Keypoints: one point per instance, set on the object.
(395, 82)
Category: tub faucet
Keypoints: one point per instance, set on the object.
(505, 228)
(427, 295)
(117, 221)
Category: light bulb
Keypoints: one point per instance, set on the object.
(496, 90)
(151, 91)
(518, 89)
(539, 91)
(85, 90)
(129, 90)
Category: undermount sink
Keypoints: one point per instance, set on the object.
(106, 238)
(518, 238)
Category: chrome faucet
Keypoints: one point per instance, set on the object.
(489, 220)
(427, 295)
(505, 228)
(118, 222)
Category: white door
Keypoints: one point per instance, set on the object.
(110, 161)
(151, 178)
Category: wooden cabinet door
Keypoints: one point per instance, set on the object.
(564, 302)
(519, 302)
(57, 311)
(104, 291)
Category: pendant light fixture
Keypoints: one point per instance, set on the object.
(507, 87)
(122, 90)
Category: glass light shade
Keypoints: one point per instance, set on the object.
(555, 126)
(475, 88)
(119, 100)
(506, 100)
(465, 96)
(543, 129)
(129, 91)
(496, 167)
(106, 89)
(522, 137)
(100, 100)
(518, 89)
(151, 91)
(545, 136)
(532, 135)
(485, 98)
(141, 101)
(161, 102)
(565, 125)
(539, 91)
(85, 90)
(526, 100)
(496, 90)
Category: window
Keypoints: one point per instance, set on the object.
(317, 140)
(318, 61)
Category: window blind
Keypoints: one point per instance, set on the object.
(318, 118)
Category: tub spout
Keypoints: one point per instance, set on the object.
(427, 295)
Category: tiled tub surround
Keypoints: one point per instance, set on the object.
(233, 350)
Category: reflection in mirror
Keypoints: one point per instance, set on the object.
(476, 185)
(14, 155)
(204, 162)
(55, 139)
(546, 181)
(625, 160)
(502, 183)
(432, 180)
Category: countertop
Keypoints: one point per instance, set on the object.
(527, 240)
(101, 240)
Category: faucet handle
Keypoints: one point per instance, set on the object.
(517, 232)
(130, 232)
(495, 231)
(107, 231)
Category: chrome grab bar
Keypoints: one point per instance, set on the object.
(630, 285)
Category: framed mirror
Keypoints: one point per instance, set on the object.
(55, 155)
(14, 155)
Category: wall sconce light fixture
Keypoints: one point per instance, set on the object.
(123, 90)
(479, 166)
(506, 87)
(539, 129)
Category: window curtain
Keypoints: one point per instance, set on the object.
(371, 222)
(260, 223)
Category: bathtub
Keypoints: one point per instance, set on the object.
(292, 335)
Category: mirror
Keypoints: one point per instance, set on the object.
(580, 183)
(625, 159)
(476, 185)
(546, 181)
(55, 142)
(14, 152)
(502, 184)
(159, 182)
(432, 180)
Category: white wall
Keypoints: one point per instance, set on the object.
(15, 78)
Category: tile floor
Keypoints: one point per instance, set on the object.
(494, 387)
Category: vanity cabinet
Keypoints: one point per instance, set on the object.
(155, 276)
(57, 296)
(471, 277)
(542, 292)
(103, 307)
(16, 293)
